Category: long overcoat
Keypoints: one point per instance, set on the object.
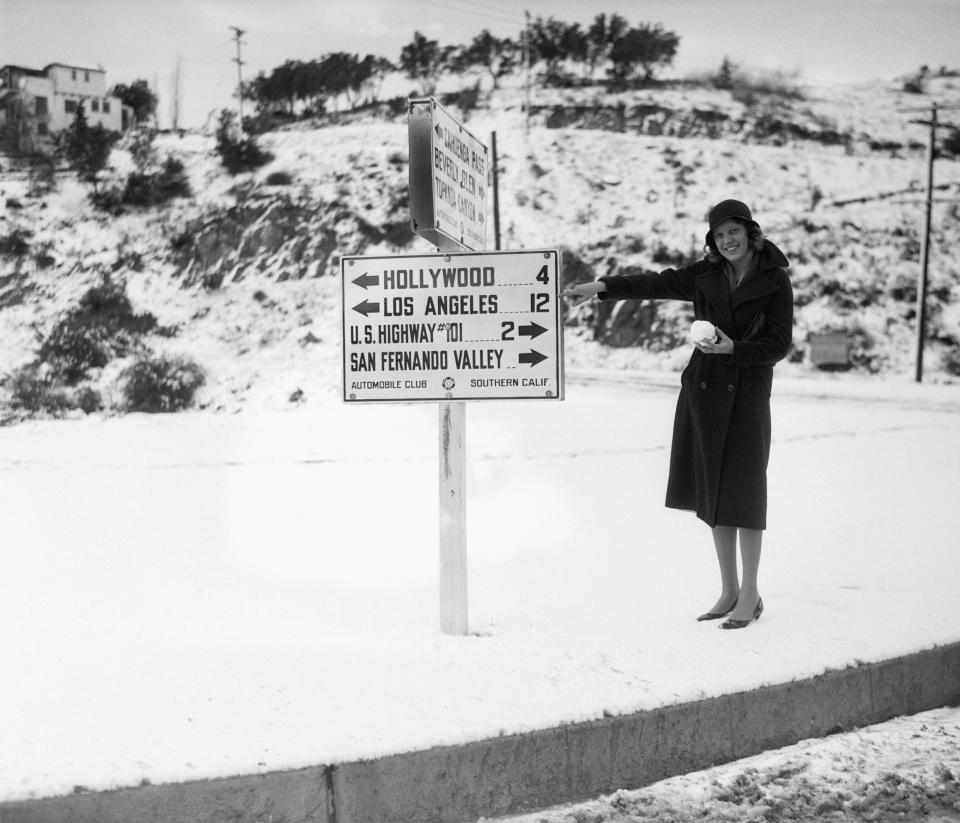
(721, 434)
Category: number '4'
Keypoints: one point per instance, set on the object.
(543, 276)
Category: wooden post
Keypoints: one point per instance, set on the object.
(452, 499)
(453, 520)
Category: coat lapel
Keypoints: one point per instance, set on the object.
(715, 288)
(753, 288)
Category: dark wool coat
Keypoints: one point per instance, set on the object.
(721, 433)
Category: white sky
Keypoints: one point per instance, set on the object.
(833, 40)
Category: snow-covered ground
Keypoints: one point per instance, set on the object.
(212, 594)
(905, 769)
(201, 595)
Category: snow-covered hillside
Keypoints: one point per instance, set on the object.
(243, 277)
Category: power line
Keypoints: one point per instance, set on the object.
(462, 5)
(208, 56)
(500, 17)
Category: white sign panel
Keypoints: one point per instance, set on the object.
(463, 326)
(448, 178)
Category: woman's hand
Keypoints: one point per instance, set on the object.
(722, 346)
(584, 292)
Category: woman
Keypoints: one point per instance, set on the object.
(721, 434)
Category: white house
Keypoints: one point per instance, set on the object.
(35, 104)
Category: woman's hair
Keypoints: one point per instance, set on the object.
(755, 238)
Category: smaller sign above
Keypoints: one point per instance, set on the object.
(448, 178)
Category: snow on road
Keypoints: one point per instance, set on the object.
(202, 595)
(905, 769)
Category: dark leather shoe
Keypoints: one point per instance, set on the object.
(739, 624)
(717, 615)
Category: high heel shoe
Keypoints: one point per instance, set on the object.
(717, 615)
(739, 624)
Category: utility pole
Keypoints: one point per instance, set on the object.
(238, 33)
(925, 237)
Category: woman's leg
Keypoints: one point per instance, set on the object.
(751, 541)
(725, 541)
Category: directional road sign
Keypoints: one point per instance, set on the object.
(463, 326)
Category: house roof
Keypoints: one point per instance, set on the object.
(73, 66)
(25, 70)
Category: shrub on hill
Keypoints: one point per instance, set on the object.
(16, 243)
(917, 83)
(161, 384)
(748, 88)
(154, 188)
(153, 181)
(238, 151)
(33, 389)
(951, 143)
(103, 325)
(951, 361)
(279, 178)
(86, 148)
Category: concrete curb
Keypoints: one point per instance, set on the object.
(524, 772)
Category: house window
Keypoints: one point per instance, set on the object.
(86, 77)
(106, 107)
(42, 129)
(73, 74)
(41, 106)
(70, 106)
(95, 104)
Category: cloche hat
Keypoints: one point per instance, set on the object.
(729, 210)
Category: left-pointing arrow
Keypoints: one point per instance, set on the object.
(532, 358)
(367, 307)
(365, 280)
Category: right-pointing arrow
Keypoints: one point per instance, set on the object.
(531, 331)
(532, 358)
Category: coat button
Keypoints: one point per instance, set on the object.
(703, 385)
(730, 387)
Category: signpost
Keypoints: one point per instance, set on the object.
(460, 326)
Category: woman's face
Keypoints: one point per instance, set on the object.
(731, 239)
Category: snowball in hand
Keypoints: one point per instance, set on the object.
(703, 331)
